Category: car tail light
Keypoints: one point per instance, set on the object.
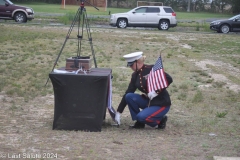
(174, 14)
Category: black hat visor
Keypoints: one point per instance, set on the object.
(130, 63)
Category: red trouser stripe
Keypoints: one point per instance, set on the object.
(148, 119)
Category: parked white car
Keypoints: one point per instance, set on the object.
(161, 17)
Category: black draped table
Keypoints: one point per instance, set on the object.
(80, 100)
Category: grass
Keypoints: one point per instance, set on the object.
(200, 15)
(221, 114)
(35, 58)
(202, 103)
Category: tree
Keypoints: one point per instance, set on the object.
(110, 3)
(118, 2)
(172, 3)
(199, 5)
(235, 6)
(189, 2)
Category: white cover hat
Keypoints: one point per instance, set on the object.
(132, 57)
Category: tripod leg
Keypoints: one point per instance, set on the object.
(79, 36)
(90, 37)
(67, 37)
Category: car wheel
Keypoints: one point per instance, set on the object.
(20, 17)
(225, 28)
(122, 23)
(163, 25)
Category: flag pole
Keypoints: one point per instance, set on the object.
(152, 72)
(162, 51)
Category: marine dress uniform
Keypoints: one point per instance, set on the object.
(144, 112)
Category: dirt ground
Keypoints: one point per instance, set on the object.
(195, 129)
(28, 132)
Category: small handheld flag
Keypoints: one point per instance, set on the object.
(157, 78)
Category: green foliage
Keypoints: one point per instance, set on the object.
(115, 76)
(183, 86)
(232, 97)
(198, 27)
(2, 84)
(203, 73)
(218, 84)
(182, 96)
(192, 16)
(198, 97)
(235, 6)
(221, 114)
(67, 18)
(201, 25)
(169, 55)
(210, 80)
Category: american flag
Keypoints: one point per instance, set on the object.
(157, 78)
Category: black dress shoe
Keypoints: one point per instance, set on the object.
(138, 125)
(162, 124)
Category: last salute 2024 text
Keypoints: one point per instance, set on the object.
(32, 155)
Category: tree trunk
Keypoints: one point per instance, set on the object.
(188, 10)
(109, 3)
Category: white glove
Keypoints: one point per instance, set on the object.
(152, 94)
(117, 118)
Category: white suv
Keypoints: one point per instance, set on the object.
(161, 17)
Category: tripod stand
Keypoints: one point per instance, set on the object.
(81, 16)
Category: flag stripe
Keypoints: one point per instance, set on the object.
(163, 79)
(159, 79)
(150, 81)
